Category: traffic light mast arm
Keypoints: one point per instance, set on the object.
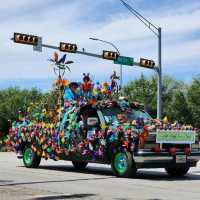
(89, 54)
(50, 46)
(97, 56)
(79, 52)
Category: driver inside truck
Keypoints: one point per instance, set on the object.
(70, 93)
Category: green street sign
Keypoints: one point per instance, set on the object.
(122, 60)
(176, 137)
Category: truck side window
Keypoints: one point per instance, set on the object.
(90, 120)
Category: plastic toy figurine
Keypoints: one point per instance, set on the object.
(104, 88)
(86, 86)
(114, 78)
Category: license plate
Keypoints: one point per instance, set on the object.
(181, 159)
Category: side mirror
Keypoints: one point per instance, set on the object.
(92, 121)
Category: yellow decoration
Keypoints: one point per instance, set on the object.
(44, 111)
(41, 140)
(104, 126)
(38, 153)
(48, 125)
(43, 124)
(43, 154)
(57, 158)
(45, 146)
(28, 109)
(51, 125)
(62, 134)
(165, 120)
(103, 88)
(63, 140)
(22, 135)
(58, 109)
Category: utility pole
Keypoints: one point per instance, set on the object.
(159, 84)
(158, 32)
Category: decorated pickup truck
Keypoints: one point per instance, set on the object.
(88, 123)
(104, 130)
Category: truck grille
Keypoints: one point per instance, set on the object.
(177, 146)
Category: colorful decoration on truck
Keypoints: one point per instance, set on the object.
(55, 139)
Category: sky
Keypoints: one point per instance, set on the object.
(78, 20)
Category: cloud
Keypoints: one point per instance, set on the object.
(76, 21)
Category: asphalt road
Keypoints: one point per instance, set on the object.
(59, 180)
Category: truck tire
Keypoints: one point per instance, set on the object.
(176, 171)
(123, 165)
(30, 158)
(79, 165)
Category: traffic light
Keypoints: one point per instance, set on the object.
(67, 47)
(147, 63)
(25, 39)
(110, 55)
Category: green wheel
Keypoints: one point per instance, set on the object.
(30, 158)
(123, 165)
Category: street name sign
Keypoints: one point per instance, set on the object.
(122, 60)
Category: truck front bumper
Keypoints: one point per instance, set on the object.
(150, 159)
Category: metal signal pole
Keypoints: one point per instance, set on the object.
(158, 32)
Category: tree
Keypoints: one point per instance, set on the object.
(171, 92)
(13, 100)
(194, 100)
(174, 96)
(179, 107)
(142, 90)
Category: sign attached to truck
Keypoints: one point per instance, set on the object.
(176, 137)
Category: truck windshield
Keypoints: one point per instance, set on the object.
(134, 114)
(116, 115)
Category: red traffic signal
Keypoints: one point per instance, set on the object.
(67, 47)
(147, 63)
(25, 39)
(110, 55)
